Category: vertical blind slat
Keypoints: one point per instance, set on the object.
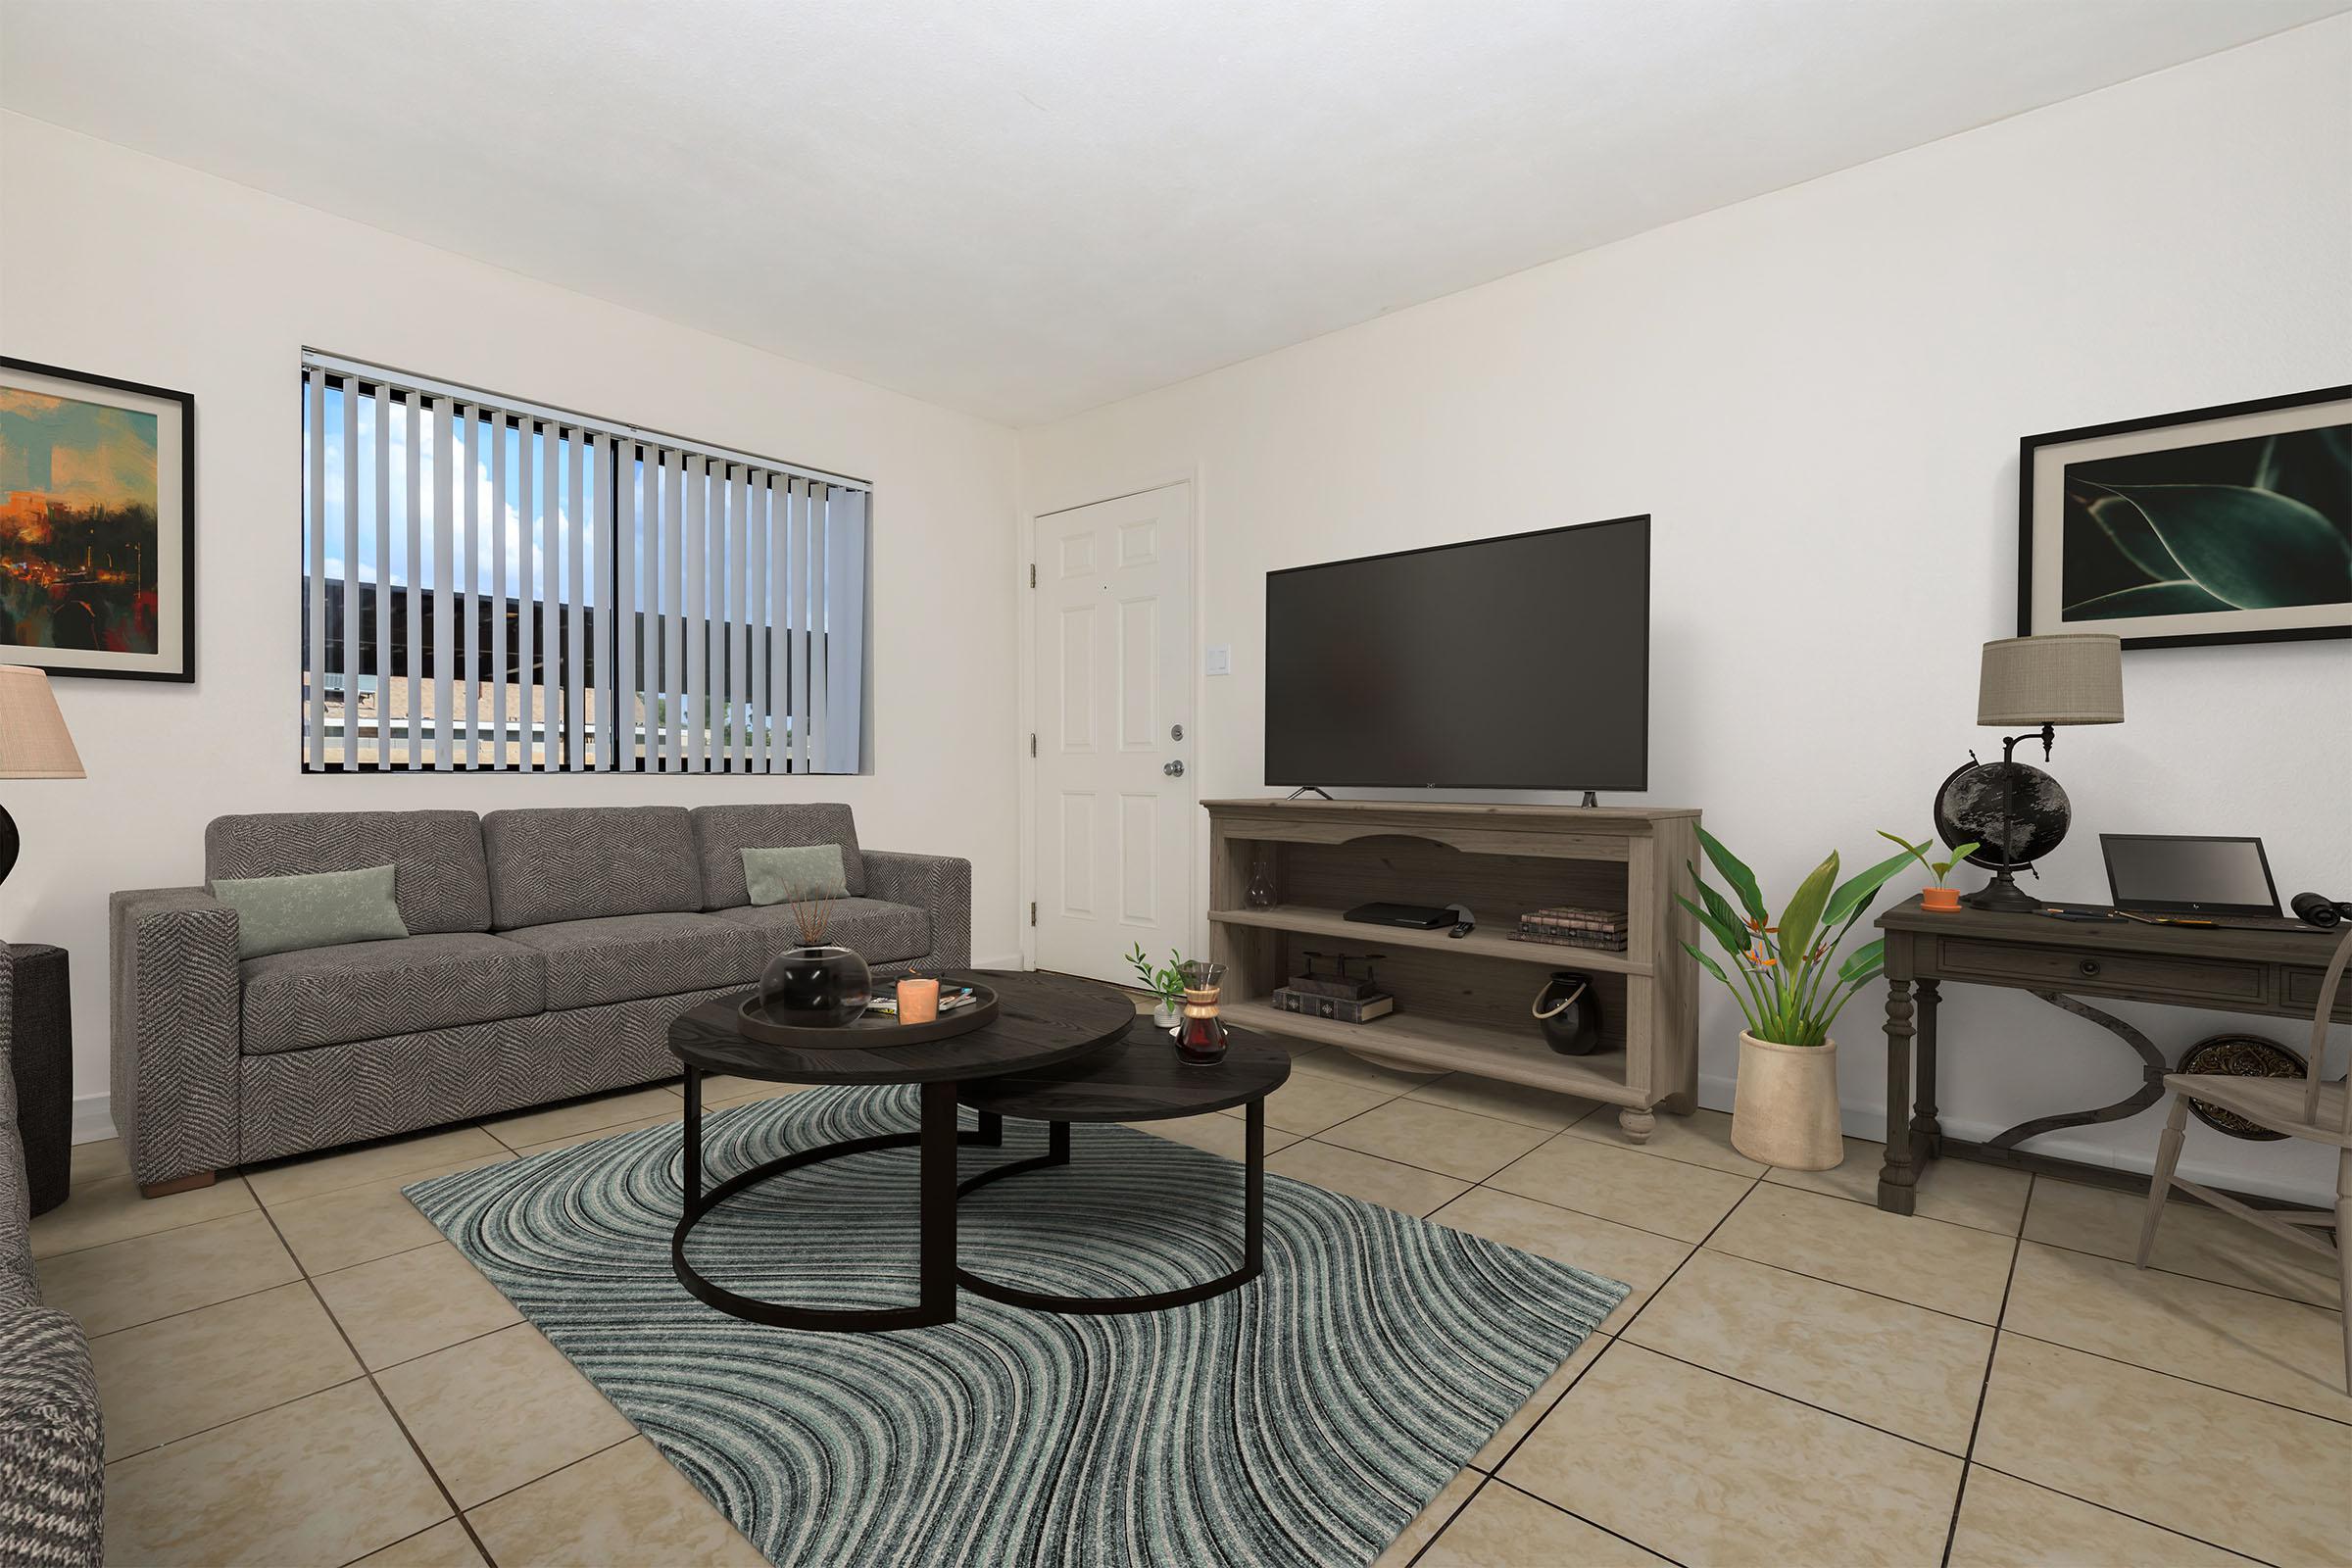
(413, 589)
(820, 629)
(756, 658)
(496, 523)
(314, 644)
(616, 672)
(474, 668)
(722, 601)
(576, 603)
(674, 630)
(845, 655)
(445, 631)
(696, 586)
(779, 552)
(349, 580)
(379, 576)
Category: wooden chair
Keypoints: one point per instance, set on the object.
(2314, 1108)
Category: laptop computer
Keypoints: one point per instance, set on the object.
(2224, 880)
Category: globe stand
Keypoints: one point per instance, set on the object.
(2002, 893)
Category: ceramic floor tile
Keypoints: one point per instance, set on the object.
(1437, 1137)
(408, 1304)
(1424, 1526)
(2192, 1240)
(101, 1161)
(2243, 1340)
(1705, 1470)
(1666, 1195)
(1901, 1368)
(137, 1281)
(2007, 1523)
(1547, 1109)
(1311, 1102)
(1702, 1137)
(322, 1480)
(1219, 1134)
(495, 1412)
(1640, 1258)
(597, 1135)
(1402, 1188)
(445, 1545)
(358, 1224)
(1505, 1528)
(1951, 1268)
(111, 1210)
(723, 1091)
(2269, 1482)
(309, 1175)
(626, 1505)
(1498, 1447)
(586, 1115)
(166, 1380)
(1964, 1192)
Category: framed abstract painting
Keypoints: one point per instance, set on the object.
(97, 524)
(2229, 525)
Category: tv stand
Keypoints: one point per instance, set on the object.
(1590, 801)
(1304, 790)
(1464, 1004)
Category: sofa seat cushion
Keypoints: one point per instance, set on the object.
(624, 958)
(368, 990)
(876, 931)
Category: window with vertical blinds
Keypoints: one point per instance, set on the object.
(488, 584)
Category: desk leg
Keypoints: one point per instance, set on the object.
(1927, 1133)
(1898, 1178)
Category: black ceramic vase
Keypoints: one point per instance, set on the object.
(1569, 1013)
(816, 988)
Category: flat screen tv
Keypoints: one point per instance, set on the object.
(1518, 662)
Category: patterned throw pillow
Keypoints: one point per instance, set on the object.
(795, 874)
(320, 910)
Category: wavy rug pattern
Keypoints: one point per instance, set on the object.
(1303, 1419)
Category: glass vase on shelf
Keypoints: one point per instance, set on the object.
(1201, 1042)
(1260, 895)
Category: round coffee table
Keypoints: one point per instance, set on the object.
(1137, 1079)
(1043, 1020)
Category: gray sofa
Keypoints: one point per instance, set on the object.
(52, 1452)
(548, 953)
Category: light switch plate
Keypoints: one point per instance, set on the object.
(1220, 660)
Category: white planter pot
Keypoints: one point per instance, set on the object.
(1785, 1104)
(1167, 1015)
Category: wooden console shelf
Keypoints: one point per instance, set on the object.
(1464, 1004)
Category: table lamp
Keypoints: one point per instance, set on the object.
(35, 743)
(2016, 812)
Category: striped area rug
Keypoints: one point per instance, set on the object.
(1302, 1420)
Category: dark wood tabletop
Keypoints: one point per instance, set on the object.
(1042, 1019)
(2298, 944)
(1140, 1078)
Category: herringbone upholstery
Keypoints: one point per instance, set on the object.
(439, 877)
(624, 956)
(175, 1028)
(327, 995)
(721, 833)
(588, 861)
(298, 1100)
(939, 885)
(877, 932)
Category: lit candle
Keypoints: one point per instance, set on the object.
(918, 999)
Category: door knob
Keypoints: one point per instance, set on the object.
(1174, 770)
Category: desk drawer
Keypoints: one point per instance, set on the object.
(2138, 974)
(2303, 992)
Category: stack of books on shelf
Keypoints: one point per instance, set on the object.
(1603, 929)
(1345, 997)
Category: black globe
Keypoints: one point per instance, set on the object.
(2016, 813)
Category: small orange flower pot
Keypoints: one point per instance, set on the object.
(1946, 900)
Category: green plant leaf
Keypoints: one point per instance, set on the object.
(1721, 909)
(2151, 599)
(2128, 528)
(1736, 872)
(2249, 548)
(1863, 963)
(1803, 915)
(1860, 888)
(1960, 852)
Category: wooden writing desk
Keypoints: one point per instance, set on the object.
(2275, 973)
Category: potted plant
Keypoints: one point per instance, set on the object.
(1790, 985)
(1934, 895)
(1166, 984)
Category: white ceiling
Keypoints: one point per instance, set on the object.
(1026, 208)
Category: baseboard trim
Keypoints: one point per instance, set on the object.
(93, 1118)
(1016, 962)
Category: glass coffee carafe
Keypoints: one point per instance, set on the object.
(1201, 1040)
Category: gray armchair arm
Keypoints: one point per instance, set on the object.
(937, 883)
(52, 1448)
(175, 993)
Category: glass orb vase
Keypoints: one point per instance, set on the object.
(816, 988)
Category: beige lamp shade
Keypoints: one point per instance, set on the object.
(2073, 680)
(34, 742)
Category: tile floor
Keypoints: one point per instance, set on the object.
(296, 1370)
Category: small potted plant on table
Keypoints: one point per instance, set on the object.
(1165, 983)
(1934, 895)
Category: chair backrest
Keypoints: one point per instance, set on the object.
(2315, 1072)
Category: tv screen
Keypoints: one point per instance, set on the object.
(1519, 662)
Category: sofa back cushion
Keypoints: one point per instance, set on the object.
(721, 833)
(586, 863)
(439, 877)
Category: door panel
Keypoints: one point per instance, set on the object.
(1115, 832)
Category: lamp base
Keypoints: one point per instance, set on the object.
(2001, 894)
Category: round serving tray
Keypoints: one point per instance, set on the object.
(868, 1033)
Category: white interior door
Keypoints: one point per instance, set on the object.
(1116, 797)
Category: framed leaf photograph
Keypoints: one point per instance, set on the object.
(2229, 525)
(97, 524)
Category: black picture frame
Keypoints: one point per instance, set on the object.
(184, 670)
(2034, 450)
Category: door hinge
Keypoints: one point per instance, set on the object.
(1033, 911)
(1033, 743)
(1033, 574)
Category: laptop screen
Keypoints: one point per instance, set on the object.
(2185, 875)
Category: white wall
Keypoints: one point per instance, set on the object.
(1819, 395)
(118, 264)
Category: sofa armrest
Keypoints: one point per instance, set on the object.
(938, 884)
(52, 1446)
(175, 994)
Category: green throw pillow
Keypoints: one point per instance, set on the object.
(795, 874)
(281, 914)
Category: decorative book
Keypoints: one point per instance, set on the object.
(1339, 1009)
(1571, 927)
